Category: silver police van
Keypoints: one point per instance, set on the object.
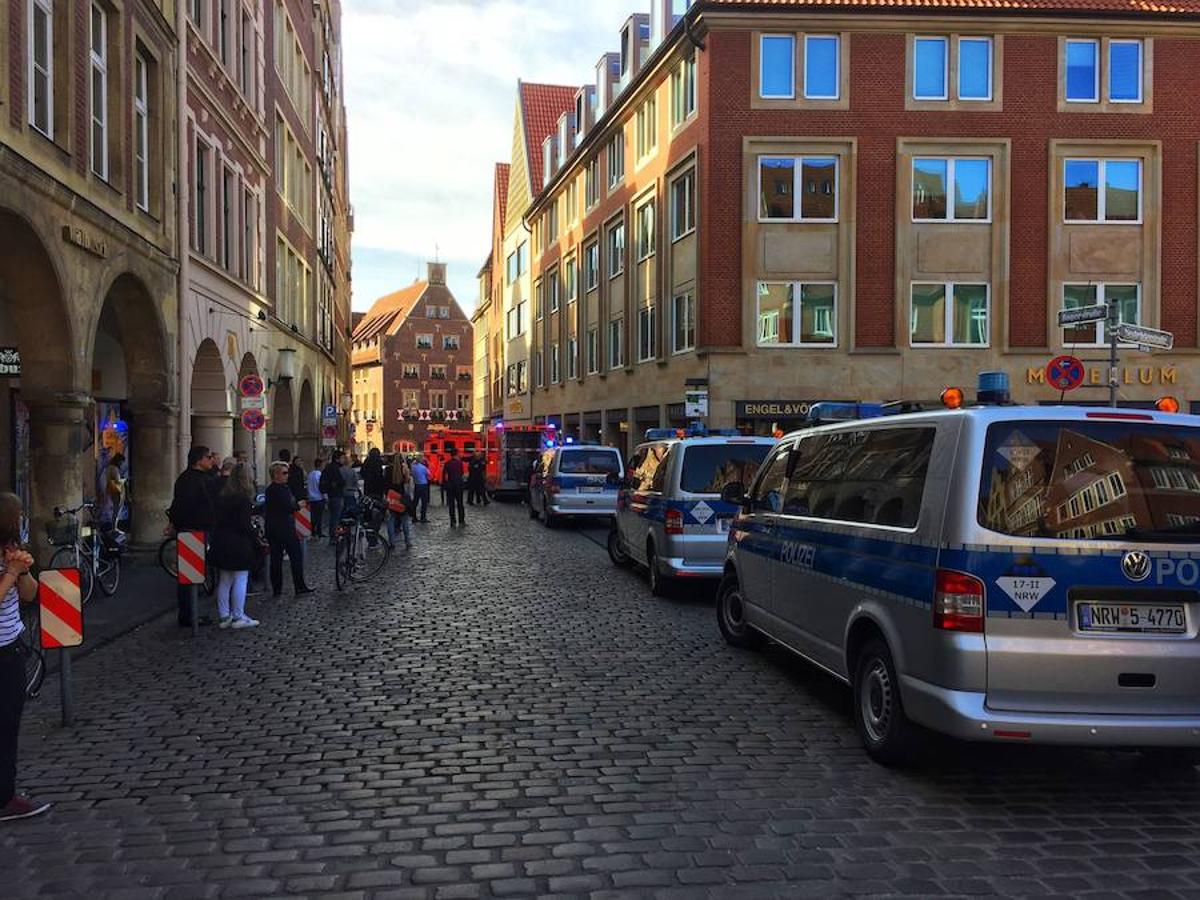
(575, 480)
(996, 573)
(670, 516)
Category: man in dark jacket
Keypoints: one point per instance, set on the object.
(278, 517)
(333, 486)
(477, 480)
(453, 481)
(192, 510)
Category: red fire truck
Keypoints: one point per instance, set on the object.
(511, 452)
(437, 449)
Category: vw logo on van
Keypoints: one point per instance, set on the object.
(1136, 565)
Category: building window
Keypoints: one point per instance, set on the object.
(593, 350)
(1083, 71)
(201, 195)
(683, 91)
(463, 373)
(229, 228)
(645, 231)
(539, 368)
(931, 66)
(683, 322)
(424, 341)
(821, 66)
(646, 127)
(1125, 71)
(518, 262)
(411, 400)
(462, 401)
(949, 315)
(974, 68)
(246, 57)
(411, 371)
(572, 358)
(571, 281)
(223, 35)
(552, 291)
(1102, 190)
(646, 334)
(438, 372)
(797, 314)
(781, 179)
(1127, 297)
(437, 400)
(966, 180)
(591, 183)
(683, 209)
(141, 132)
(616, 344)
(450, 342)
(616, 250)
(616, 160)
(99, 91)
(591, 266)
(551, 232)
(41, 66)
(554, 363)
(777, 67)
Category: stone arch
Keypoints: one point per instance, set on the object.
(307, 430)
(282, 422)
(212, 414)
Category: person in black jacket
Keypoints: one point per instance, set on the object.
(373, 482)
(333, 486)
(192, 510)
(278, 510)
(234, 548)
(295, 480)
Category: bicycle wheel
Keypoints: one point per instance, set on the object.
(109, 575)
(341, 562)
(65, 558)
(31, 650)
(168, 557)
(371, 554)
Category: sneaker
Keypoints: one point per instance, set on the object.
(22, 808)
(226, 622)
(245, 623)
(305, 590)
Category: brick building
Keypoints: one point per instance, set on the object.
(412, 366)
(793, 201)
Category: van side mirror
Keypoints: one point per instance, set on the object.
(734, 492)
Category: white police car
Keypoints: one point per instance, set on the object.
(670, 517)
(997, 573)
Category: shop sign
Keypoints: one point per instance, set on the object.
(10, 362)
(695, 403)
(1127, 375)
(773, 409)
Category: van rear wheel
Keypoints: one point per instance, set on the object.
(660, 584)
(886, 732)
(731, 616)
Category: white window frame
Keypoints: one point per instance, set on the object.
(448, 338)
(1095, 98)
(645, 243)
(616, 173)
(688, 177)
(797, 192)
(948, 324)
(552, 302)
(647, 349)
(1101, 300)
(591, 183)
(683, 92)
(141, 131)
(34, 73)
(762, 58)
(991, 67)
(945, 42)
(98, 68)
(616, 261)
(616, 343)
(837, 67)
(689, 298)
(797, 290)
(539, 368)
(419, 339)
(571, 279)
(591, 273)
(950, 192)
(1141, 48)
(593, 350)
(646, 129)
(1102, 193)
(572, 358)
(555, 364)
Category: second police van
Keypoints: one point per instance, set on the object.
(574, 480)
(996, 573)
(670, 517)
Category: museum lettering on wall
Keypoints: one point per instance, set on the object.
(1128, 375)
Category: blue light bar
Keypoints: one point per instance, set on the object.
(993, 387)
(843, 412)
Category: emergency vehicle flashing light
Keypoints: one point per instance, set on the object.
(952, 398)
(1167, 405)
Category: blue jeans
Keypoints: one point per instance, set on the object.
(335, 516)
(404, 520)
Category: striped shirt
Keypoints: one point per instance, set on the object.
(10, 616)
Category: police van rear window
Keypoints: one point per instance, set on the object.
(707, 468)
(1091, 480)
(589, 462)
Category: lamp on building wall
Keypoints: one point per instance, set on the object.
(286, 370)
(347, 403)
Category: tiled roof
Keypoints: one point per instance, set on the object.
(389, 312)
(502, 170)
(541, 105)
(1144, 7)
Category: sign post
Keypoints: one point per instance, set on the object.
(190, 548)
(1063, 370)
(328, 425)
(61, 616)
(252, 389)
(695, 399)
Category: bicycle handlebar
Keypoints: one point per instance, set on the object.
(60, 511)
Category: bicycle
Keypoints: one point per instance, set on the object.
(98, 562)
(361, 550)
(29, 645)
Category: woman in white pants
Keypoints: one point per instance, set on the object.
(233, 548)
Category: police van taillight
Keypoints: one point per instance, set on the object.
(958, 602)
(674, 521)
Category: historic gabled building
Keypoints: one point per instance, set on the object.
(488, 317)
(412, 367)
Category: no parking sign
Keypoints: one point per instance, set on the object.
(1065, 373)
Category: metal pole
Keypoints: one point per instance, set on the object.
(68, 697)
(193, 590)
(254, 457)
(1111, 325)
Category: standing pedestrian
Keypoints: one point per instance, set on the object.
(234, 548)
(477, 480)
(350, 478)
(420, 474)
(17, 586)
(454, 479)
(114, 491)
(373, 481)
(316, 499)
(278, 516)
(296, 480)
(333, 486)
(400, 494)
(192, 510)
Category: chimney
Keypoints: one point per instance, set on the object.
(635, 47)
(608, 71)
(436, 273)
(585, 112)
(663, 18)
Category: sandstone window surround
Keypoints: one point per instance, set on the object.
(798, 70)
(1106, 73)
(954, 72)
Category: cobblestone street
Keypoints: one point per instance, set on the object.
(503, 713)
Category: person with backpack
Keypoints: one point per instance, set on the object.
(333, 486)
(400, 503)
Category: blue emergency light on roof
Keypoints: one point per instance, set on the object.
(843, 412)
(993, 387)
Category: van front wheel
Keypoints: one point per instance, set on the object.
(885, 730)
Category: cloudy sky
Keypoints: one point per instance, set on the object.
(430, 94)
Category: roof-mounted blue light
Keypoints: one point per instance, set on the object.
(843, 412)
(993, 387)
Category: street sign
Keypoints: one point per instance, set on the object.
(1083, 314)
(189, 548)
(251, 386)
(1065, 373)
(259, 402)
(329, 432)
(61, 609)
(1150, 338)
(328, 442)
(253, 420)
(303, 524)
(328, 411)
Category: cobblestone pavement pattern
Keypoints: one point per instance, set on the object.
(508, 715)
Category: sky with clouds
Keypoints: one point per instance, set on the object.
(430, 90)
